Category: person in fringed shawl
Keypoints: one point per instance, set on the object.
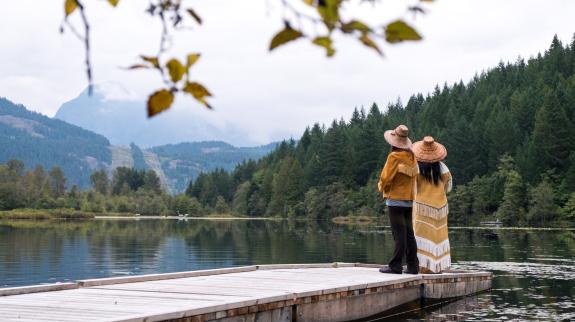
(430, 207)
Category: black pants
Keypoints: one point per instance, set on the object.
(402, 229)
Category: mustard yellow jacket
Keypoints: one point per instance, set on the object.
(397, 179)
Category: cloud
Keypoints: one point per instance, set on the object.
(271, 95)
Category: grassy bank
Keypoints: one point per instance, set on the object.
(38, 214)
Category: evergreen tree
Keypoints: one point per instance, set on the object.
(542, 206)
(74, 198)
(221, 206)
(152, 182)
(512, 209)
(552, 141)
(240, 200)
(17, 167)
(314, 203)
(57, 182)
(461, 206)
(502, 135)
(280, 202)
(568, 211)
(125, 180)
(568, 183)
(368, 148)
(99, 180)
(208, 192)
(332, 154)
(37, 186)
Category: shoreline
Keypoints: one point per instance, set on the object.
(184, 218)
(73, 215)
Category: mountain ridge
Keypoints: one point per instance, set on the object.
(38, 139)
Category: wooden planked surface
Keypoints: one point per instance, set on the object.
(135, 300)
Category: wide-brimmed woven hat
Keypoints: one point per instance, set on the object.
(398, 137)
(428, 150)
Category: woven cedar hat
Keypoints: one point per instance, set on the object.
(428, 150)
(398, 137)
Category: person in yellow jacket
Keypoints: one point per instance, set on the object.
(430, 206)
(397, 183)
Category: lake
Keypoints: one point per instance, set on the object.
(534, 271)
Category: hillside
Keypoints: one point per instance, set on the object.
(37, 139)
(509, 134)
(178, 164)
(185, 161)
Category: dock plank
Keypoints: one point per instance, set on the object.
(160, 297)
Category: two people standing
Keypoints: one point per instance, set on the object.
(414, 183)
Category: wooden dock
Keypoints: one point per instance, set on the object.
(266, 293)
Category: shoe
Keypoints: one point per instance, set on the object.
(388, 270)
(412, 271)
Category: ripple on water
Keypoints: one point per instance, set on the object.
(516, 269)
(522, 291)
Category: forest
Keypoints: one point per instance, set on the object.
(128, 191)
(509, 134)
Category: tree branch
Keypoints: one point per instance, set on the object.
(86, 46)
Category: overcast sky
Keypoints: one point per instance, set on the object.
(273, 95)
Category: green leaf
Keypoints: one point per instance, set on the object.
(192, 59)
(355, 25)
(159, 102)
(329, 12)
(198, 91)
(370, 43)
(113, 2)
(70, 6)
(286, 35)
(399, 31)
(326, 43)
(152, 60)
(176, 69)
(194, 15)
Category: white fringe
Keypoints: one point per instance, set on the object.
(429, 211)
(431, 247)
(436, 266)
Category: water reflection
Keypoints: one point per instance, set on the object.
(534, 270)
(40, 252)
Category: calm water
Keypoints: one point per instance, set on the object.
(534, 270)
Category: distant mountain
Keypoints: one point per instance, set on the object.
(113, 112)
(37, 139)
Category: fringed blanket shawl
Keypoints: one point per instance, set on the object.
(430, 222)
